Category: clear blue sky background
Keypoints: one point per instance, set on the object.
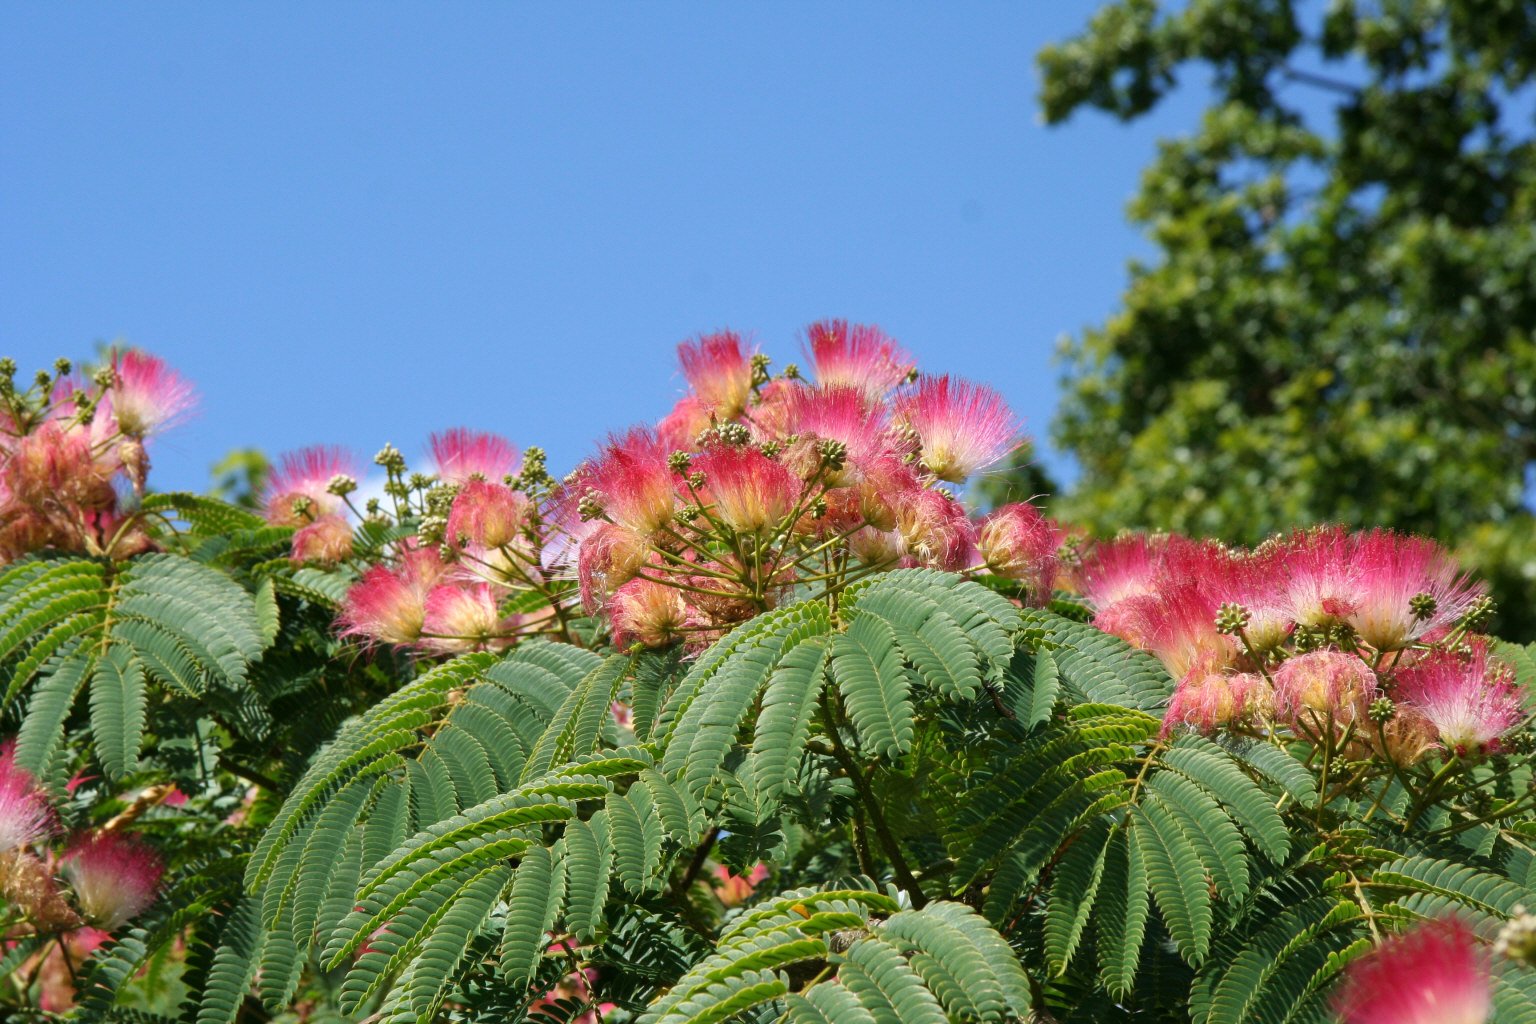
(360, 223)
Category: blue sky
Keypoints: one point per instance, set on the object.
(360, 223)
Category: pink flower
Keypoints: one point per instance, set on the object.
(1471, 700)
(608, 559)
(1256, 581)
(1018, 542)
(54, 466)
(1180, 628)
(751, 493)
(463, 618)
(26, 815)
(647, 613)
(146, 394)
(732, 889)
(719, 371)
(962, 427)
(1209, 701)
(1434, 973)
(487, 515)
(389, 606)
(462, 455)
(1393, 570)
(633, 481)
(857, 356)
(303, 480)
(114, 877)
(679, 429)
(839, 414)
(1114, 570)
(1322, 577)
(876, 547)
(936, 531)
(1314, 687)
(326, 541)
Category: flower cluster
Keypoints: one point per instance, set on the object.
(111, 877)
(754, 487)
(1367, 638)
(72, 453)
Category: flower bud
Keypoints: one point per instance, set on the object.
(486, 515)
(326, 541)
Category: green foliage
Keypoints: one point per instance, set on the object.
(1337, 324)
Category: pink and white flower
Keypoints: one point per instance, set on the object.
(1208, 701)
(114, 877)
(326, 541)
(1394, 570)
(749, 492)
(1471, 699)
(719, 370)
(1434, 973)
(390, 605)
(26, 814)
(1321, 686)
(463, 617)
(462, 455)
(487, 515)
(633, 481)
(647, 613)
(146, 394)
(856, 355)
(299, 492)
(962, 427)
(1018, 542)
(936, 531)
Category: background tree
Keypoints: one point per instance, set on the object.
(1338, 324)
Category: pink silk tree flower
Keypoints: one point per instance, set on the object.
(389, 605)
(857, 356)
(841, 414)
(114, 877)
(962, 427)
(463, 617)
(1433, 973)
(679, 429)
(1210, 701)
(1407, 587)
(719, 370)
(1180, 629)
(1313, 687)
(609, 557)
(936, 531)
(634, 482)
(463, 455)
(1322, 577)
(731, 889)
(1125, 567)
(326, 541)
(26, 814)
(1018, 542)
(647, 613)
(1471, 699)
(299, 492)
(749, 492)
(146, 394)
(487, 515)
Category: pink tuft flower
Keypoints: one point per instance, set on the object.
(876, 547)
(1209, 701)
(732, 890)
(936, 531)
(462, 455)
(146, 394)
(462, 618)
(1434, 973)
(857, 356)
(299, 492)
(1180, 629)
(26, 815)
(487, 515)
(749, 492)
(1114, 570)
(647, 613)
(1317, 686)
(55, 466)
(839, 414)
(114, 877)
(719, 370)
(326, 541)
(634, 483)
(679, 429)
(1393, 570)
(1471, 700)
(1018, 542)
(608, 559)
(1323, 581)
(962, 427)
(389, 606)
(1256, 581)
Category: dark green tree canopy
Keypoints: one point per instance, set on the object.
(1338, 325)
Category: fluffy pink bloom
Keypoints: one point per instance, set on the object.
(647, 613)
(462, 455)
(486, 514)
(1312, 687)
(876, 547)
(462, 617)
(1209, 701)
(962, 427)
(1256, 581)
(1471, 700)
(634, 483)
(114, 877)
(26, 816)
(840, 414)
(1114, 570)
(305, 476)
(609, 557)
(55, 466)
(146, 394)
(751, 493)
(1018, 542)
(327, 541)
(856, 355)
(936, 531)
(1322, 577)
(719, 370)
(389, 605)
(1394, 569)
(1181, 630)
(679, 429)
(732, 889)
(1434, 973)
